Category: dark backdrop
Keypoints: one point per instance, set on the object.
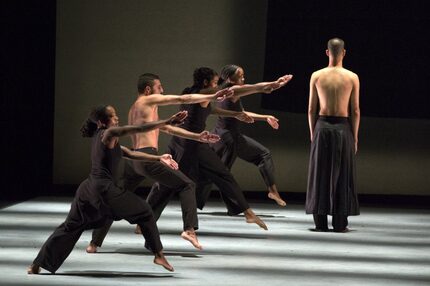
(387, 46)
(27, 97)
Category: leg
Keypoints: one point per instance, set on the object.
(132, 208)
(211, 166)
(320, 222)
(171, 181)
(340, 223)
(98, 236)
(253, 152)
(61, 242)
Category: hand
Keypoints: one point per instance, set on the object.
(178, 118)
(242, 116)
(283, 80)
(167, 160)
(224, 94)
(207, 137)
(273, 121)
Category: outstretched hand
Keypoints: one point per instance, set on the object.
(167, 160)
(207, 137)
(224, 94)
(273, 121)
(244, 117)
(282, 81)
(178, 118)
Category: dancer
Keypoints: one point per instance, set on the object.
(199, 160)
(233, 143)
(98, 199)
(145, 109)
(334, 136)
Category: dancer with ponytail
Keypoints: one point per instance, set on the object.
(98, 199)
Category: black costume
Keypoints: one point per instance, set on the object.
(332, 176)
(197, 160)
(97, 200)
(172, 180)
(234, 144)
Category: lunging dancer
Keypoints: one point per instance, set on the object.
(98, 198)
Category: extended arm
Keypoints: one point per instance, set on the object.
(159, 99)
(113, 132)
(166, 159)
(272, 120)
(261, 87)
(239, 115)
(355, 110)
(313, 105)
(205, 136)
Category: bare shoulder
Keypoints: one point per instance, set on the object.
(351, 74)
(316, 74)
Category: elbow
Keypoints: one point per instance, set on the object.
(311, 111)
(356, 112)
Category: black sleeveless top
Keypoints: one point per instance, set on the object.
(104, 161)
(229, 123)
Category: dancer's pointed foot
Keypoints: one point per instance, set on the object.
(33, 269)
(91, 248)
(138, 230)
(161, 260)
(191, 236)
(277, 198)
(251, 217)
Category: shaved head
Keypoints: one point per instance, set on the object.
(335, 46)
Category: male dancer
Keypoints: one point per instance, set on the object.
(145, 109)
(334, 137)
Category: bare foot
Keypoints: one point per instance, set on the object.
(191, 236)
(161, 260)
(138, 230)
(91, 248)
(251, 217)
(33, 269)
(277, 198)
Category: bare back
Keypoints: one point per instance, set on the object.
(140, 113)
(334, 88)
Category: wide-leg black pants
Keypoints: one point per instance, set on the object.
(84, 215)
(199, 160)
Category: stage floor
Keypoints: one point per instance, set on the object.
(387, 246)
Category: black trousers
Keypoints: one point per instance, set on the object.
(198, 160)
(122, 204)
(339, 222)
(236, 145)
(173, 181)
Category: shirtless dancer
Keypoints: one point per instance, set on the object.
(334, 136)
(145, 109)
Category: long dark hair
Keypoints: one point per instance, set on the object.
(227, 72)
(90, 125)
(199, 76)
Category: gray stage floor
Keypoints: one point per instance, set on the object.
(385, 247)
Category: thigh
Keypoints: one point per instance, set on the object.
(127, 205)
(166, 176)
(250, 150)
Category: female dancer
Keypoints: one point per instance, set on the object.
(98, 199)
(233, 143)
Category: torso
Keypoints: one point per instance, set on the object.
(104, 160)
(141, 113)
(334, 86)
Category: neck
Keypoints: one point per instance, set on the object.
(335, 62)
